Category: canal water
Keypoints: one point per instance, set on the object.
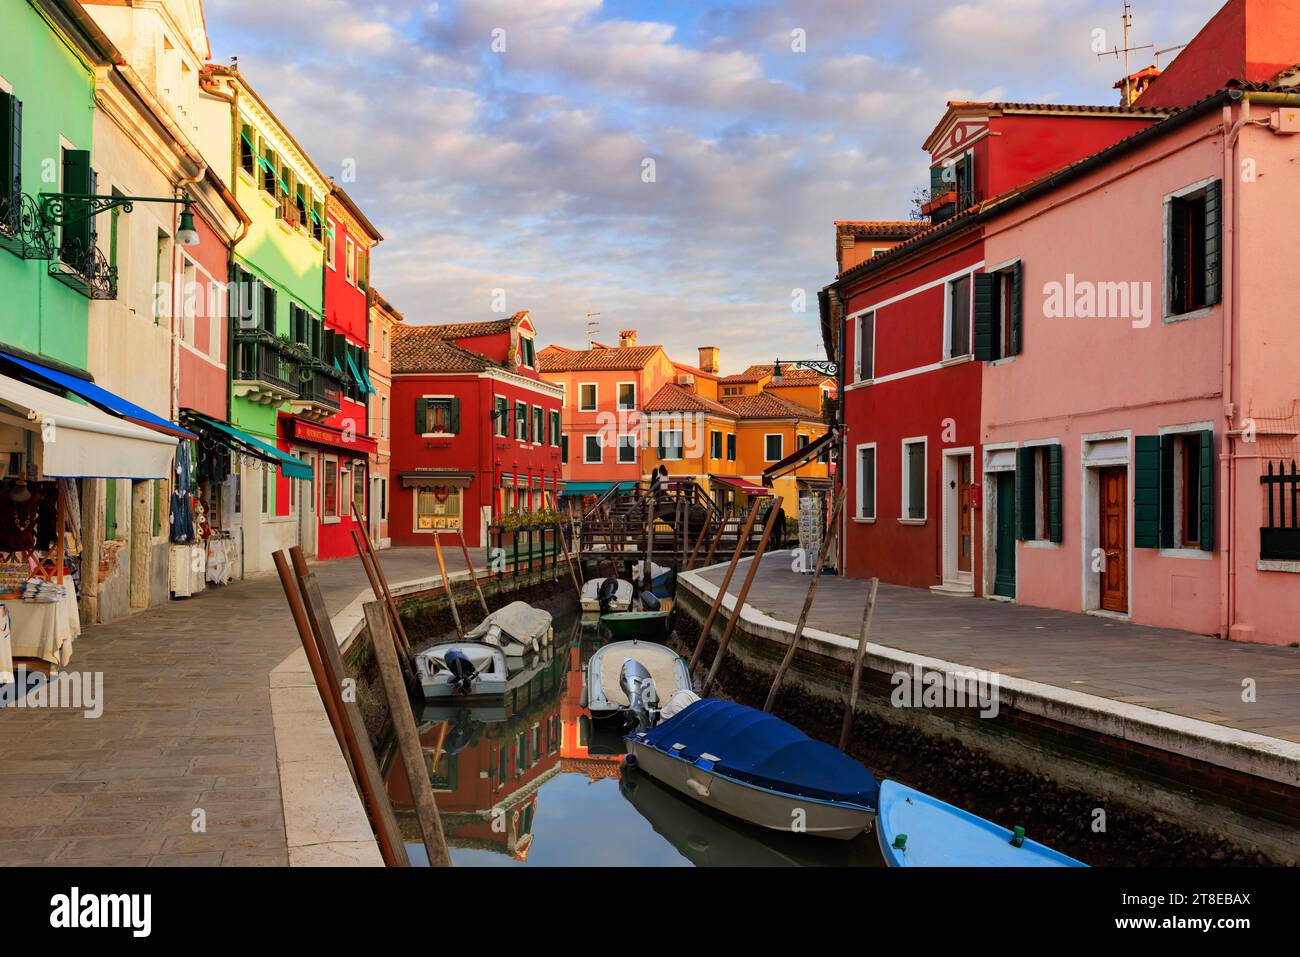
(531, 781)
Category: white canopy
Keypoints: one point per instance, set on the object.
(80, 441)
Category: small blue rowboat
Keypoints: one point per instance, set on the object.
(917, 830)
(758, 768)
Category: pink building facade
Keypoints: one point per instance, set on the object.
(1155, 383)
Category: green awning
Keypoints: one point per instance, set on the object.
(595, 488)
(290, 466)
(357, 377)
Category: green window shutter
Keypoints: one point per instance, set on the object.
(1207, 491)
(110, 510)
(455, 416)
(564, 450)
(937, 185)
(1175, 280)
(1213, 242)
(1146, 492)
(11, 140)
(1025, 530)
(1015, 311)
(76, 180)
(986, 285)
(1055, 473)
(421, 415)
(1166, 491)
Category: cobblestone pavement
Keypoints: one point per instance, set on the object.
(186, 724)
(1185, 674)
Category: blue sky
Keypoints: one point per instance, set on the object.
(522, 170)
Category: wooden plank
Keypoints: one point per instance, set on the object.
(807, 603)
(856, 681)
(408, 736)
(329, 672)
(722, 589)
(446, 586)
(403, 652)
(473, 575)
(773, 516)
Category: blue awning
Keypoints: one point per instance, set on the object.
(596, 488)
(290, 466)
(760, 749)
(108, 401)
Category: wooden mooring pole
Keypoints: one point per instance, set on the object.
(856, 681)
(773, 516)
(446, 586)
(408, 737)
(827, 542)
(722, 589)
(568, 559)
(473, 575)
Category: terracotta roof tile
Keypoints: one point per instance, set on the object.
(602, 359)
(423, 349)
(880, 230)
(766, 406)
(751, 375)
(673, 398)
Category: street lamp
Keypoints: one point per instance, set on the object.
(187, 235)
(824, 366)
(62, 209)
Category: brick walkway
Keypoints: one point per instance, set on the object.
(186, 724)
(1184, 674)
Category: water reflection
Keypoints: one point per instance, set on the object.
(531, 779)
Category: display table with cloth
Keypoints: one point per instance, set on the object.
(44, 629)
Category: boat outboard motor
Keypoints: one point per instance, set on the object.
(462, 670)
(606, 593)
(642, 696)
(649, 601)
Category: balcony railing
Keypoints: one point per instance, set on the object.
(262, 371)
(941, 204)
(319, 391)
(84, 269)
(22, 229)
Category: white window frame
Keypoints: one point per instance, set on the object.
(350, 263)
(621, 446)
(586, 459)
(1166, 235)
(773, 435)
(538, 434)
(383, 416)
(858, 514)
(331, 246)
(680, 447)
(1180, 548)
(722, 451)
(595, 396)
(435, 435)
(523, 356)
(905, 503)
(554, 427)
(618, 397)
(528, 424)
(869, 315)
(970, 317)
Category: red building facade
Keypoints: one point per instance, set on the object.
(475, 431)
(910, 378)
(330, 431)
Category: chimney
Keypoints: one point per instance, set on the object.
(627, 339)
(709, 356)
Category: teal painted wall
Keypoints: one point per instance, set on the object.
(57, 90)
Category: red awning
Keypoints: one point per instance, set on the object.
(740, 485)
(358, 445)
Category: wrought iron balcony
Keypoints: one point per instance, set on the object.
(22, 228)
(84, 269)
(319, 391)
(947, 202)
(262, 371)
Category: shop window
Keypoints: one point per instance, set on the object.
(329, 494)
(438, 509)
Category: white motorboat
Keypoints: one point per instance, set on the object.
(632, 678)
(518, 629)
(621, 601)
(462, 669)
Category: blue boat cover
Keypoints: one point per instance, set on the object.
(761, 749)
(108, 401)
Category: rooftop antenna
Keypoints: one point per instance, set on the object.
(1117, 52)
(1160, 53)
(592, 326)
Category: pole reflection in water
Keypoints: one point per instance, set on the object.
(528, 779)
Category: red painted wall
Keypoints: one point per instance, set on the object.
(1025, 147)
(909, 335)
(203, 382)
(474, 449)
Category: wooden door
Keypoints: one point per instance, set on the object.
(1114, 539)
(964, 531)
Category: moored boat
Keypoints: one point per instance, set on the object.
(758, 768)
(621, 600)
(918, 830)
(632, 679)
(635, 624)
(661, 578)
(462, 669)
(518, 629)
